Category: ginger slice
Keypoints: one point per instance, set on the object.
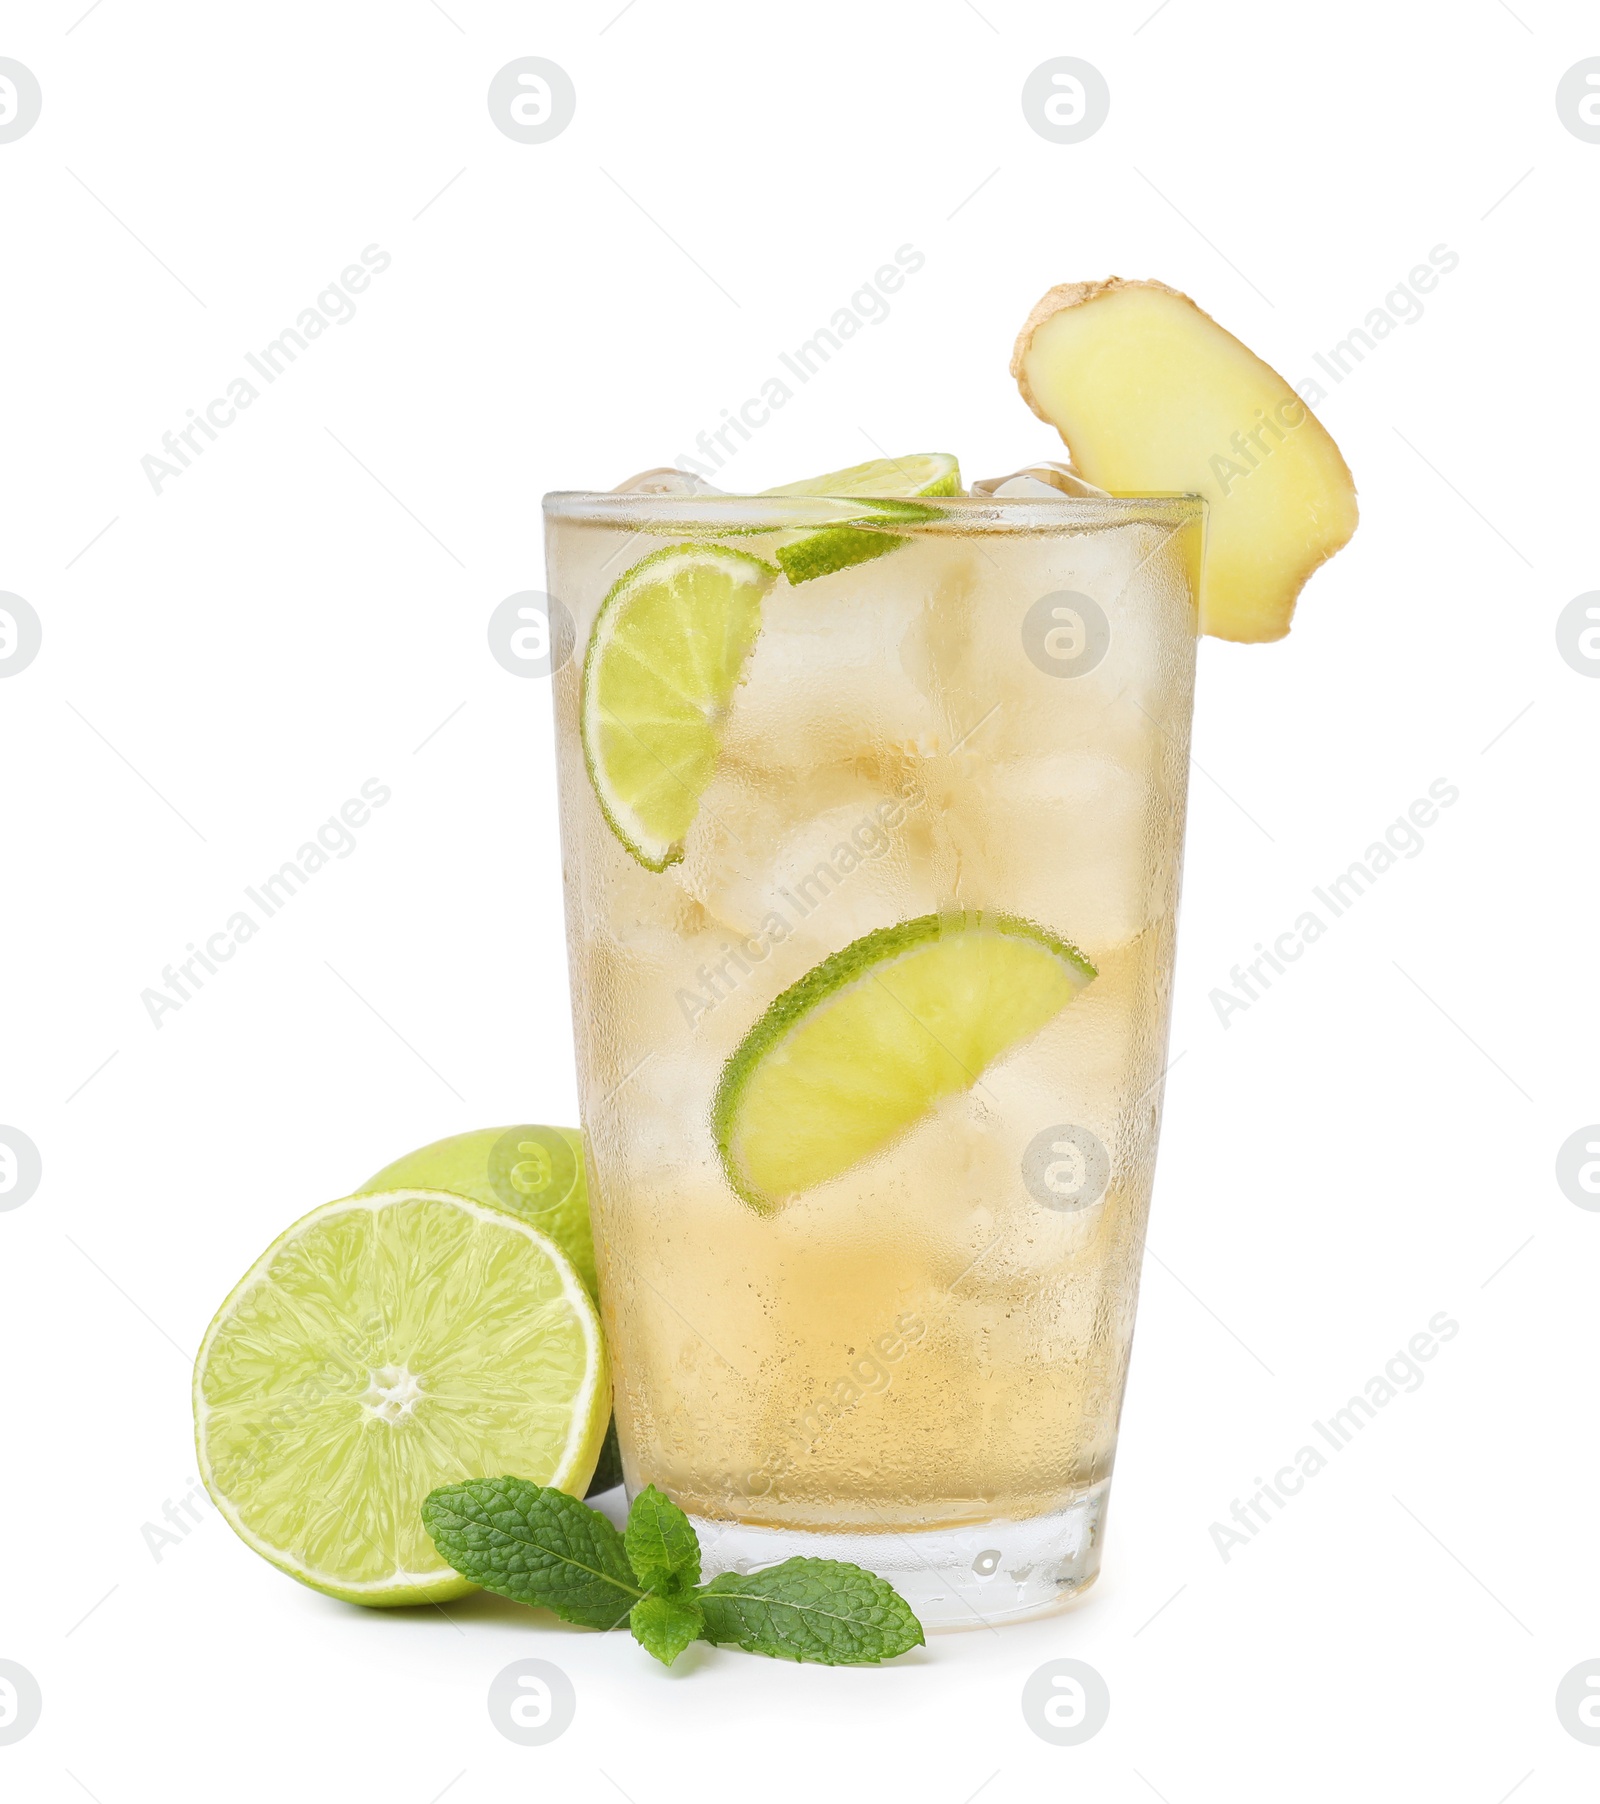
(1152, 396)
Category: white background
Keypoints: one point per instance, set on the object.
(226, 661)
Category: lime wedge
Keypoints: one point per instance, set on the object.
(535, 1172)
(887, 485)
(867, 1042)
(383, 1346)
(664, 658)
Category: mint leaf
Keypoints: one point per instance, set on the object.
(821, 1610)
(664, 1626)
(535, 1544)
(662, 1547)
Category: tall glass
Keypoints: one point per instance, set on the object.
(916, 1363)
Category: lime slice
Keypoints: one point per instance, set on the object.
(884, 478)
(535, 1172)
(664, 658)
(867, 1042)
(383, 1346)
(887, 484)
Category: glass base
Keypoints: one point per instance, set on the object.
(967, 1577)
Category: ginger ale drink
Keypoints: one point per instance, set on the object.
(872, 814)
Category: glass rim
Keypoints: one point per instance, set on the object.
(943, 513)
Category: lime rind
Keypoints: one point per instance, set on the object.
(687, 668)
(836, 548)
(317, 1315)
(872, 956)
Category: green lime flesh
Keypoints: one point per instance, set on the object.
(665, 655)
(867, 1042)
(534, 1171)
(381, 1347)
(538, 1173)
(885, 478)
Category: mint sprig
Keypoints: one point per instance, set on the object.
(546, 1549)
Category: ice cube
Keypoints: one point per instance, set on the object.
(1059, 836)
(828, 841)
(666, 481)
(1041, 482)
(832, 679)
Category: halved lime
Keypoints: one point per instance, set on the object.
(664, 659)
(383, 1346)
(887, 485)
(867, 1042)
(536, 1172)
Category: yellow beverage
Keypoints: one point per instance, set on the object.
(916, 1363)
